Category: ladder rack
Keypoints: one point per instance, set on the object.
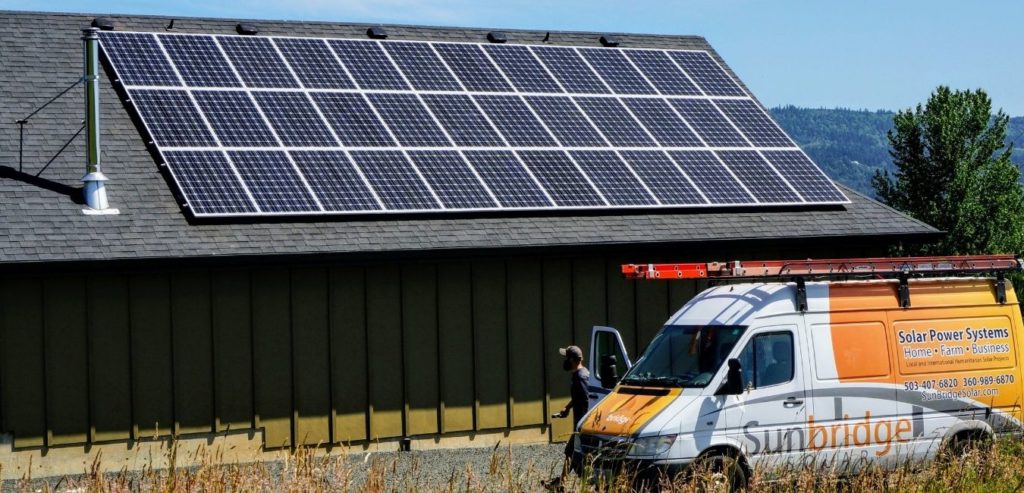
(879, 266)
(798, 270)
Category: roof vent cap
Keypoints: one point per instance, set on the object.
(609, 41)
(246, 29)
(496, 37)
(103, 24)
(377, 32)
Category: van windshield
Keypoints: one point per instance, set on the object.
(684, 356)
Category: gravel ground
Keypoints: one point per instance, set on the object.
(479, 469)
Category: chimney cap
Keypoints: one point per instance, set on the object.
(246, 29)
(103, 23)
(377, 32)
(496, 37)
(609, 41)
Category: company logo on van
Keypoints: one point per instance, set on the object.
(617, 419)
(843, 431)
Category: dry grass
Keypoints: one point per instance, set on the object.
(999, 468)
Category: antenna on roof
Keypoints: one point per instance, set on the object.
(547, 36)
(170, 25)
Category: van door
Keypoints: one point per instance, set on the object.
(770, 417)
(608, 361)
(856, 420)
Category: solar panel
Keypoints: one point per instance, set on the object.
(755, 124)
(754, 172)
(472, 67)
(314, 63)
(273, 181)
(368, 65)
(464, 122)
(295, 119)
(452, 180)
(409, 120)
(667, 127)
(613, 178)
(337, 183)
(257, 63)
(421, 66)
(617, 71)
(508, 180)
(566, 121)
(235, 119)
(353, 120)
(560, 177)
(522, 68)
(141, 61)
(707, 73)
(260, 125)
(716, 182)
(516, 121)
(208, 183)
(709, 123)
(173, 119)
(615, 122)
(397, 184)
(804, 176)
(571, 71)
(663, 177)
(665, 75)
(198, 59)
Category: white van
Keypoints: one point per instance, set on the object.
(876, 371)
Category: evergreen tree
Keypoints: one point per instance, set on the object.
(954, 172)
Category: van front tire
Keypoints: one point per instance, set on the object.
(720, 473)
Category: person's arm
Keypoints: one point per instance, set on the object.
(564, 412)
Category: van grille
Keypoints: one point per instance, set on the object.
(605, 447)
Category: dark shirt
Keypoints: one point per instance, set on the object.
(580, 399)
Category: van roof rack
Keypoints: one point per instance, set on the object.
(798, 270)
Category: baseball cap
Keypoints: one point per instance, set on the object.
(571, 352)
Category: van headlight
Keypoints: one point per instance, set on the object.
(655, 445)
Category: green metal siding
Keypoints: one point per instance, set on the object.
(110, 366)
(272, 349)
(232, 351)
(311, 354)
(24, 384)
(348, 354)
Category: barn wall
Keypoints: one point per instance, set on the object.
(312, 354)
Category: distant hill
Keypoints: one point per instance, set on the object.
(851, 144)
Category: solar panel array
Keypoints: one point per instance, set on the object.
(276, 125)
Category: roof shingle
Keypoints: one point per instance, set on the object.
(41, 56)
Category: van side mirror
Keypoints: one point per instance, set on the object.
(733, 379)
(609, 371)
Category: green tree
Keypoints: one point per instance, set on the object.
(954, 172)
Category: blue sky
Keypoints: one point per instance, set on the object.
(851, 53)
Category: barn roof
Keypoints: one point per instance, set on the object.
(41, 218)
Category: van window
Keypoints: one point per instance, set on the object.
(608, 345)
(768, 359)
(684, 356)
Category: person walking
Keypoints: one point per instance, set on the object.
(578, 405)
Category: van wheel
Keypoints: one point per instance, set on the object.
(721, 473)
(966, 443)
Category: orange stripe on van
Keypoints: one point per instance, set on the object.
(625, 413)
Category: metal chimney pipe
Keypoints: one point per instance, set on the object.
(95, 193)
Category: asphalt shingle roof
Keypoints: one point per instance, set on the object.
(40, 221)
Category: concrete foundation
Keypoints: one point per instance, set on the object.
(238, 447)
